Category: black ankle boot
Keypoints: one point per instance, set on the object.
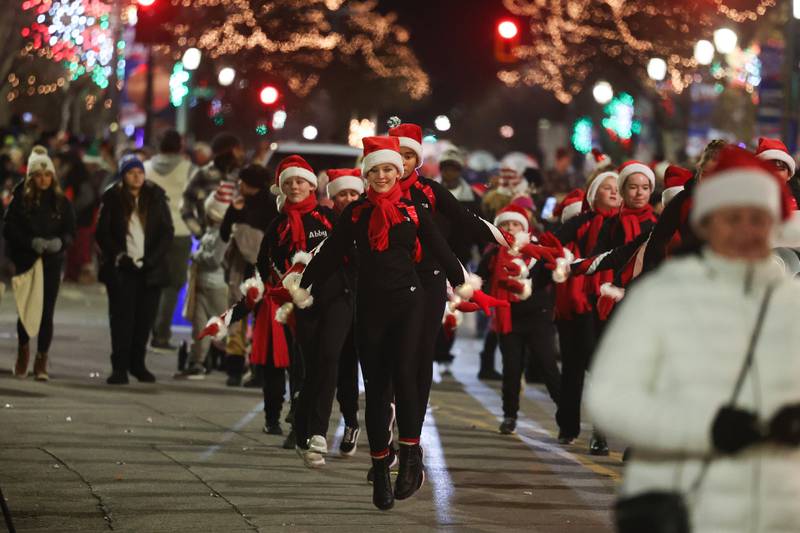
(411, 474)
(235, 369)
(382, 496)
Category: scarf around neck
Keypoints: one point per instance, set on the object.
(632, 219)
(292, 230)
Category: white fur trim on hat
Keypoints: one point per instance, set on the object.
(296, 172)
(507, 216)
(570, 211)
(408, 142)
(735, 187)
(378, 157)
(637, 168)
(779, 155)
(591, 193)
(670, 193)
(343, 183)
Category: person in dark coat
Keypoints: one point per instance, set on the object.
(39, 223)
(134, 233)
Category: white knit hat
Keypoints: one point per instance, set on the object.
(39, 161)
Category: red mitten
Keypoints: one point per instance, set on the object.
(467, 307)
(252, 297)
(541, 253)
(450, 325)
(279, 295)
(211, 330)
(486, 302)
(512, 285)
(513, 269)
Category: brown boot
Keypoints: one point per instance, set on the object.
(23, 358)
(40, 367)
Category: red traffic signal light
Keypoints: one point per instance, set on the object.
(269, 95)
(507, 29)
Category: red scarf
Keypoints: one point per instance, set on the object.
(269, 337)
(501, 317)
(385, 214)
(595, 225)
(291, 230)
(413, 182)
(571, 297)
(631, 220)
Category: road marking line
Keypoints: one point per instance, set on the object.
(436, 471)
(229, 434)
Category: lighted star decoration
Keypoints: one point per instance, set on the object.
(298, 39)
(569, 37)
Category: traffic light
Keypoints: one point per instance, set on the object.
(152, 17)
(506, 40)
(269, 95)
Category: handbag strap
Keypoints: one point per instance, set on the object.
(748, 362)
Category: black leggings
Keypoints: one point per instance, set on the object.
(577, 339)
(52, 281)
(435, 299)
(347, 387)
(273, 389)
(539, 338)
(388, 328)
(322, 337)
(132, 306)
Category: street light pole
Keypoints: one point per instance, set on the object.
(148, 97)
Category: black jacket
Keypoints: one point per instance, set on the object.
(52, 217)
(112, 231)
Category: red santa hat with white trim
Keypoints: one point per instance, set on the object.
(570, 206)
(293, 166)
(596, 160)
(410, 136)
(740, 179)
(341, 179)
(591, 191)
(514, 213)
(629, 168)
(380, 150)
(775, 150)
(675, 179)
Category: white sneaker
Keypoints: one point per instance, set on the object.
(311, 459)
(318, 444)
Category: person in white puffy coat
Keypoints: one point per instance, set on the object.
(667, 367)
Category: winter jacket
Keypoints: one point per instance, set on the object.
(667, 363)
(112, 231)
(171, 172)
(52, 217)
(208, 260)
(202, 183)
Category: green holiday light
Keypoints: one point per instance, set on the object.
(582, 135)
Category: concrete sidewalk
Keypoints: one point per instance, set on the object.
(78, 455)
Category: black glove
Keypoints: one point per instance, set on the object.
(785, 425)
(734, 429)
(126, 264)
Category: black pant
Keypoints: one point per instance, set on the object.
(435, 297)
(539, 337)
(51, 269)
(388, 328)
(322, 334)
(347, 387)
(132, 306)
(444, 346)
(274, 389)
(577, 340)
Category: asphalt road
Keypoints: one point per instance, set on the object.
(78, 455)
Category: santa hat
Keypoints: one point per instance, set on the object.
(39, 161)
(380, 150)
(515, 213)
(570, 206)
(597, 160)
(635, 167)
(739, 178)
(293, 166)
(591, 192)
(775, 150)
(216, 204)
(340, 179)
(675, 179)
(410, 136)
(517, 162)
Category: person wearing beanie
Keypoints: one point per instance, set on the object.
(776, 153)
(390, 232)
(170, 169)
(526, 326)
(700, 368)
(134, 234)
(209, 291)
(228, 158)
(451, 218)
(250, 214)
(39, 226)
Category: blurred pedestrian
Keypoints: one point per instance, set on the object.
(134, 233)
(170, 170)
(39, 227)
(708, 399)
(80, 189)
(562, 178)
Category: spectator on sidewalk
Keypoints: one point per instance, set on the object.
(80, 189)
(134, 234)
(170, 170)
(39, 224)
